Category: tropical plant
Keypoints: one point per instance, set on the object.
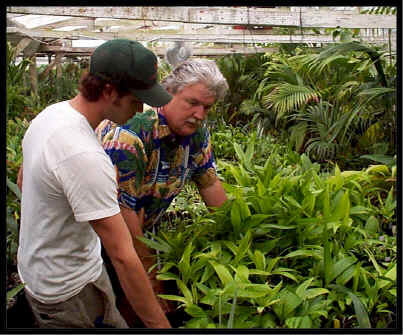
(243, 75)
(348, 81)
(293, 247)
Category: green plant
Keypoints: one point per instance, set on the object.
(293, 247)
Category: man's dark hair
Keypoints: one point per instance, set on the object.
(91, 86)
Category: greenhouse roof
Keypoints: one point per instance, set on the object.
(209, 30)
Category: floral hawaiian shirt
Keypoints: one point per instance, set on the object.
(153, 163)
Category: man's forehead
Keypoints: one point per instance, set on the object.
(198, 91)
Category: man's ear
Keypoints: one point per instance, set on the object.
(109, 93)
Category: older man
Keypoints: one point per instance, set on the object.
(158, 151)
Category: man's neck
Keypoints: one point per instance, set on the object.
(91, 110)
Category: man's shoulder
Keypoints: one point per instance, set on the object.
(143, 122)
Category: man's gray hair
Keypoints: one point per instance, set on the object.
(196, 71)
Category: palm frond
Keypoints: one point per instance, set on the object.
(287, 97)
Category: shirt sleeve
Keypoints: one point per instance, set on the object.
(89, 183)
(127, 153)
(205, 173)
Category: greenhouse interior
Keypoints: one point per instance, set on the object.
(304, 146)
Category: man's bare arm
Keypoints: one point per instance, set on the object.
(214, 195)
(135, 223)
(118, 243)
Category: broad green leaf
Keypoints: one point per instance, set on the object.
(360, 311)
(14, 291)
(314, 292)
(208, 272)
(243, 248)
(272, 263)
(309, 220)
(239, 152)
(244, 209)
(342, 207)
(260, 260)
(393, 291)
(184, 263)
(173, 297)
(236, 217)
(345, 276)
(14, 188)
(378, 268)
(222, 272)
(167, 266)
(197, 323)
(242, 274)
(359, 210)
(303, 253)
(292, 201)
(372, 225)
(285, 273)
(299, 322)
(326, 202)
(167, 276)
(195, 311)
(391, 274)
(259, 272)
(340, 266)
(268, 321)
(185, 291)
(231, 246)
(289, 301)
(300, 291)
(161, 246)
(256, 219)
(254, 290)
(327, 260)
(378, 169)
(277, 226)
(308, 204)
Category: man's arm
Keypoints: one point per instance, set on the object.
(213, 195)
(118, 243)
(135, 225)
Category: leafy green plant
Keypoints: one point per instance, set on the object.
(293, 247)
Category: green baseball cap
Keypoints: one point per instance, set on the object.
(130, 62)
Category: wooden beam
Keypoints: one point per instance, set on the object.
(58, 61)
(31, 48)
(89, 22)
(247, 38)
(161, 51)
(22, 44)
(33, 75)
(223, 15)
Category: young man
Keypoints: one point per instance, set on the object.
(69, 199)
(160, 150)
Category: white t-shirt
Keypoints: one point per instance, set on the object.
(68, 181)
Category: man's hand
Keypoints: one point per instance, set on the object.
(133, 278)
(158, 287)
(213, 195)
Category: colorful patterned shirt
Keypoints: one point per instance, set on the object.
(153, 164)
